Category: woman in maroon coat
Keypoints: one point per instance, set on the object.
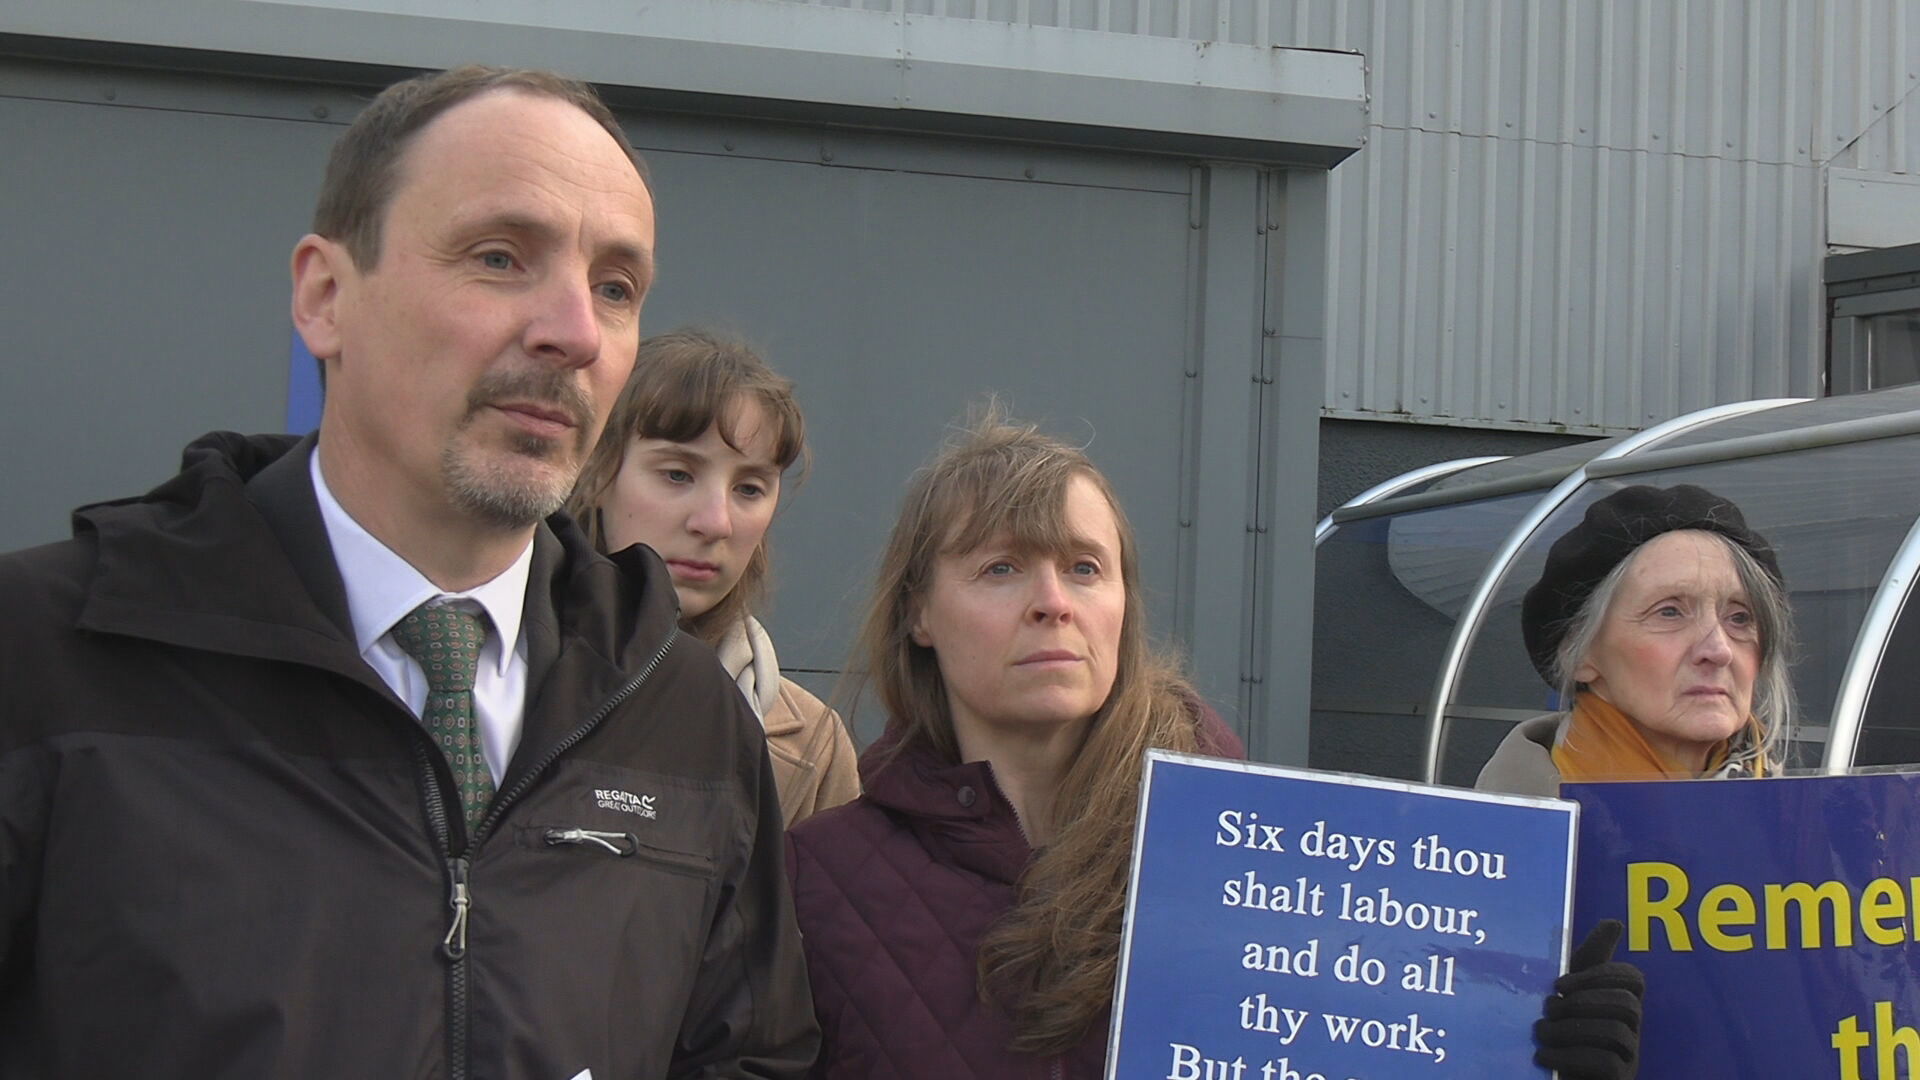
(962, 919)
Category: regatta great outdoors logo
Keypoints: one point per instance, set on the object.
(624, 801)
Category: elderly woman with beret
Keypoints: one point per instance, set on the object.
(1662, 620)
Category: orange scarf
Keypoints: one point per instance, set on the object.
(1601, 743)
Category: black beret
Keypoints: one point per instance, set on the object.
(1612, 529)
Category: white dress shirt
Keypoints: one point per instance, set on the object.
(382, 588)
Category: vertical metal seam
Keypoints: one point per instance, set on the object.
(1676, 282)
(1187, 554)
(1863, 77)
(1599, 350)
(1333, 358)
(1743, 327)
(1642, 99)
(1485, 359)
(1370, 252)
(1257, 541)
(1793, 128)
(1561, 388)
(1444, 402)
(1894, 154)
(1817, 150)
(1406, 363)
(1671, 271)
(1490, 78)
(1781, 355)
(1717, 140)
(1443, 378)
(1333, 327)
(1523, 266)
(1636, 353)
(1453, 122)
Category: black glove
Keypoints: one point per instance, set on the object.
(1591, 1030)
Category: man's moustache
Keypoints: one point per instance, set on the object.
(554, 392)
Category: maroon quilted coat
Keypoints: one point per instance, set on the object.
(894, 892)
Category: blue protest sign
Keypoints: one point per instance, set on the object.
(1774, 919)
(1292, 925)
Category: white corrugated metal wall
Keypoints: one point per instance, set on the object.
(1586, 215)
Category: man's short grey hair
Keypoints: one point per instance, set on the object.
(1774, 708)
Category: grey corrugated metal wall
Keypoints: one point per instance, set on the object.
(1584, 215)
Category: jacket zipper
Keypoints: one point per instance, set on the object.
(460, 896)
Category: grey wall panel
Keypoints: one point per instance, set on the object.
(1871, 209)
(1890, 142)
(146, 297)
(1559, 287)
(894, 299)
(1582, 216)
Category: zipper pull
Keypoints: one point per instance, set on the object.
(619, 843)
(454, 945)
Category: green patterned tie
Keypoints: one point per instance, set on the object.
(447, 643)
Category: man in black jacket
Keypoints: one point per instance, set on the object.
(340, 757)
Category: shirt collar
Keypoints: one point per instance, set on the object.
(382, 587)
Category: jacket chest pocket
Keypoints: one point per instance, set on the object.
(620, 892)
(606, 844)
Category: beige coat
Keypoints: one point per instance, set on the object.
(814, 765)
(813, 760)
(1523, 764)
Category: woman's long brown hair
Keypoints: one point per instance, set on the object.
(684, 382)
(1051, 960)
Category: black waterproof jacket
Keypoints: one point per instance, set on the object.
(227, 850)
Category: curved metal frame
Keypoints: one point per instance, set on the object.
(1470, 616)
(1869, 648)
(1386, 489)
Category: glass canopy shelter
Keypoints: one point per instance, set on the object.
(1419, 668)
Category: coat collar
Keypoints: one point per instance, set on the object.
(230, 555)
(196, 562)
(957, 809)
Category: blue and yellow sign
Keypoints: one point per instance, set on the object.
(1775, 921)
